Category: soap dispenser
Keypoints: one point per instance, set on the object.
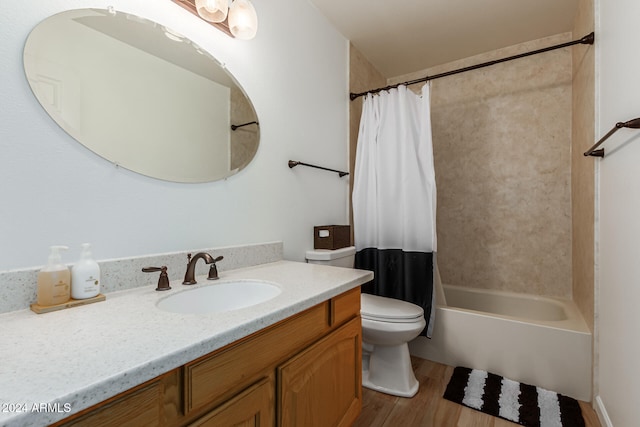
(54, 280)
(85, 275)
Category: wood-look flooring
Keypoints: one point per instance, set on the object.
(429, 409)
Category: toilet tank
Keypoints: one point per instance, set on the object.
(343, 257)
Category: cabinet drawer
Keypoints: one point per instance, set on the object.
(345, 306)
(224, 373)
(252, 407)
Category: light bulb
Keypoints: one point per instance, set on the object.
(212, 10)
(243, 21)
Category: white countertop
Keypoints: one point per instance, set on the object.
(74, 358)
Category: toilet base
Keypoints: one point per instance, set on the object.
(389, 371)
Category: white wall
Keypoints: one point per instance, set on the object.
(55, 191)
(618, 313)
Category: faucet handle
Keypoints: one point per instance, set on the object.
(213, 270)
(163, 280)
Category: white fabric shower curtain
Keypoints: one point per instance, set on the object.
(394, 194)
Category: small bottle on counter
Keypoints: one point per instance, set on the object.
(54, 280)
(85, 275)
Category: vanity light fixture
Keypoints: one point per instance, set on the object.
(243, 21)
(236, 18)
(212, 10)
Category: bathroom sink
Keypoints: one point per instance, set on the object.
(219, 297)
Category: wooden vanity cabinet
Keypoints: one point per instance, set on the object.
(302, 371)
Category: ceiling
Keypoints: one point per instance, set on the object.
(402, 36)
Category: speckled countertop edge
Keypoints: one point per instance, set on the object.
(72, 359)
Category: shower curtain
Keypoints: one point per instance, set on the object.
(394, 198)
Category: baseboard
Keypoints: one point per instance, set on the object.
(601, 411)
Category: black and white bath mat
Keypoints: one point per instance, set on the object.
(520, 403)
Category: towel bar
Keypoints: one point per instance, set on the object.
(633, 124)
(294, 163)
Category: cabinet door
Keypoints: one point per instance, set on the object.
(153, 404)
(321, 386)
(252, 408)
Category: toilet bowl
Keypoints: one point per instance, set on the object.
(387, 326)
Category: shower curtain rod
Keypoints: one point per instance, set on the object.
(588, 39)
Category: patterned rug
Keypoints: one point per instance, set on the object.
(520, 403)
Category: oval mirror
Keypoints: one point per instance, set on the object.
(141, 95)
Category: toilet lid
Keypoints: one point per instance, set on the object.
(380, 308)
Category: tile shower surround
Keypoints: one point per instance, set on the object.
(18, 287)
(502, 153)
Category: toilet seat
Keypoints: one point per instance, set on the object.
(382, 309)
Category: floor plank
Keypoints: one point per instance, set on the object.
(428, 409)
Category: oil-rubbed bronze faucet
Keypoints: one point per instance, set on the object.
(189, 276)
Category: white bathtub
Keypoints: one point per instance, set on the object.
(536, 340)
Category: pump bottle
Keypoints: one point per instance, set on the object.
(85, 275)
(54, 280)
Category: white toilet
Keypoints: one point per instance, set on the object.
(387, 326)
